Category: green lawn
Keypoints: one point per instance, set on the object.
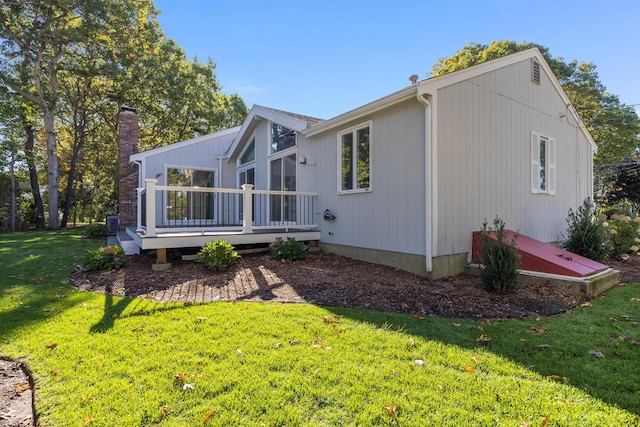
(108, 361)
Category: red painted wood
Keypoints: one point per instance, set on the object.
(543, 257)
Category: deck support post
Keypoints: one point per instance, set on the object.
(151, 207)
(247, 208)
(161, 255)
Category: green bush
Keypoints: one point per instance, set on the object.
(96, 229)
(500, 259)
(586, 234)
(104, 258)
(623, 234)
(290, 249)
(218, 255)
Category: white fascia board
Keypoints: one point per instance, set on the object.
(360, 112)
(259, 112)
(182, 144)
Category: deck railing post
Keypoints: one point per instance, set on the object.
(151, 206)
(139, 209)
(247, 208)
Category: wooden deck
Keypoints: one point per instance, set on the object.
(196, 239)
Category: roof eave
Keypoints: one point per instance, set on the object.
(380, 104)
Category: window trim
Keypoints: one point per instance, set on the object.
(216, 177)
(195, 168)
(246, 146)
(353, 130)
(550, 164)
(273, 152)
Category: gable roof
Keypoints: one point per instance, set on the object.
(182, 144)
(289, 120)
(431, 85)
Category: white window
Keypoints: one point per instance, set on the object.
(190, 205)
(543, 164)
(246, 172)
(282, 138)
(354, 159)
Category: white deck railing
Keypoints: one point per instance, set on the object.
(174, 209)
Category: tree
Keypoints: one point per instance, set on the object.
(37, 32)
(614, 127)
(77, 62)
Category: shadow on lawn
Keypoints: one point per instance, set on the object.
(111, 312)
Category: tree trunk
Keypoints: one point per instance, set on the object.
(13, 188)
(77, 146)
(33, 176)
(52, 161)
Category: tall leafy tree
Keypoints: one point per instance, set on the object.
(615, 127)
(77, 62)
(38, 32)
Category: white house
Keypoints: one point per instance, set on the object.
(401, 181)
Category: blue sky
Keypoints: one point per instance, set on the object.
(324, 58)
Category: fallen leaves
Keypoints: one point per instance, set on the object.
(52, 346)
(21, 388)
(558, 377)
(597, 354)
(484, 338)
(208, 416)
(391, 410)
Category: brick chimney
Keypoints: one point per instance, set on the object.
(128, 172)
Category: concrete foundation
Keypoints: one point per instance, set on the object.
(443, 266)
(585, 287)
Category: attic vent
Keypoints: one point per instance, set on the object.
(535, 71)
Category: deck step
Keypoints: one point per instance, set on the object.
(125, 241)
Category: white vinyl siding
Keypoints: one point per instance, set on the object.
(391, 218)
(486, 161)
(543, 164)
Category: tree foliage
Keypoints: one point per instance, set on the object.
(70, 65)
(615, 127)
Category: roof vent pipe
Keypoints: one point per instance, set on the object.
(413, 78)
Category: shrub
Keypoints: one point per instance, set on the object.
(290, 249)
(499, 258)
(586, 234)
(623, 234)
(104, 258)
(96, 229)
(218, 255)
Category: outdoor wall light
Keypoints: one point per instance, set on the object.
(303, 160)
(328, 216)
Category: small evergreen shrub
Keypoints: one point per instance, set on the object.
(96, 229)
(500, 259)
(290, 249)
(218, 255)
(586, 234)
(105, 258)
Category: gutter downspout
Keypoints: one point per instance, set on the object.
(428, 180)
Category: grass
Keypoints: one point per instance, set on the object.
(103, 361)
